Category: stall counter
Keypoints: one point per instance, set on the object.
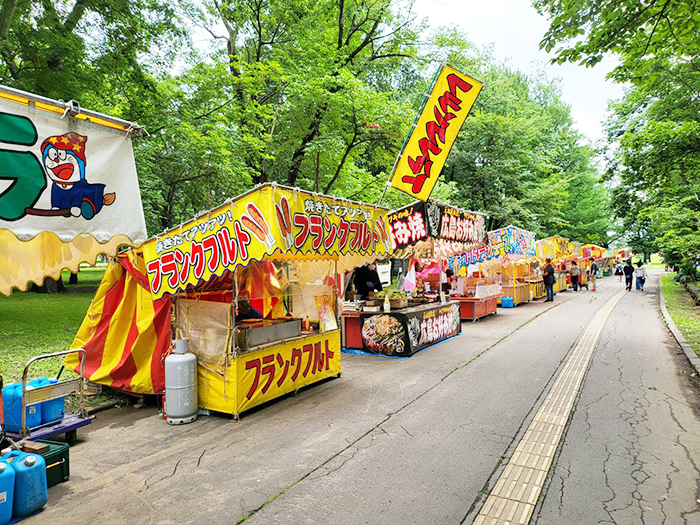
(520, 292)
(401, 332)
(472, 309)
(537, 288)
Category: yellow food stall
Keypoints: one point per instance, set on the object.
(254, 285)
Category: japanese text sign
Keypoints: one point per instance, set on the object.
(269, 373)
(426, 150)
(270, 220)
(517, 243)
(421, 220)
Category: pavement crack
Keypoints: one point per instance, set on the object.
(147, 485)
(407, 432)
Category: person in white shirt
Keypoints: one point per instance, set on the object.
(640, 272)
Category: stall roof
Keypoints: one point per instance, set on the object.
(267, 222)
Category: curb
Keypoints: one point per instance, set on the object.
(689, 353)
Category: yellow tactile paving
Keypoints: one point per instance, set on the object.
(516, 492)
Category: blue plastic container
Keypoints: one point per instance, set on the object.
(507, 302)
(7, 492)
(12, 404)
(51, 411)
(31, 492)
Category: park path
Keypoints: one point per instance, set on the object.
(421, 440)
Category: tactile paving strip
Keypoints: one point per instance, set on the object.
(516, 492)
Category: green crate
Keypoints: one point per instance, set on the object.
(57, 462)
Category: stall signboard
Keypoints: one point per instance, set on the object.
(414, 223)
(266, 222)
(271, 372)
(432, 219)
(68, 191)
(593, 250)
(425, 152)
(573, 250)
(405, 333)
(518, 243)
(510, 241)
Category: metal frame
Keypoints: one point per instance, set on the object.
(49, 392)
(73, 108)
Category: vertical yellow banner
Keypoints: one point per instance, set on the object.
(426, 150)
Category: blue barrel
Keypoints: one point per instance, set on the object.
(31, 492)
(7, 492)
(12, 404)
(51, 411)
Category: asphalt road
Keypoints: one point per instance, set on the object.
(421, 440)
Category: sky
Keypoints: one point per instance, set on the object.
(515, 30)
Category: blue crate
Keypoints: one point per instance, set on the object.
(507, 302)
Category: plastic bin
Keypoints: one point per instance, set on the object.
(12, 403)
(507, 302)
(57, 462)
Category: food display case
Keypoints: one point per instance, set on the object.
(401, 332)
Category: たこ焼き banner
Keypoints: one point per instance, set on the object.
(268, 222)
(68, 192)
(426, 150)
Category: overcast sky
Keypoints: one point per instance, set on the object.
(515, 29)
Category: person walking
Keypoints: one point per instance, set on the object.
(628, 270)
(594, 274)
(640, 272)
(548, 279)
(574, 272)
(618, 271)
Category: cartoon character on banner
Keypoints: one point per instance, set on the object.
(63, 158)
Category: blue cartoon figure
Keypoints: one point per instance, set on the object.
(63, 157)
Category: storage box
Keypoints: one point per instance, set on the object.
(507, 302)
(399, 302)
(57, 462)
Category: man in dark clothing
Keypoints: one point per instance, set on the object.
(628, 270)
(245, 311)
(548, 279)
(367, 280)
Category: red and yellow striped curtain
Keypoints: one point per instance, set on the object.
(125, 333)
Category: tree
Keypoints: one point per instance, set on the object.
(641, 33)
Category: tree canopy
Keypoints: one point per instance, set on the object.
(653, 138)
(312, 93)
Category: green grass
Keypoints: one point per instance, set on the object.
(656, 262)
(683, 310)
(33, 324)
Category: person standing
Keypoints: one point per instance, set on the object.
(367, 280)
(618, 271)
(628, 270)
(594, 274)
(640, 272)
(548, 279)
(574, 272)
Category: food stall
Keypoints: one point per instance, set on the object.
(253, 285)
(426, 233)
(555, 248)
(513, 266)
(476, 291)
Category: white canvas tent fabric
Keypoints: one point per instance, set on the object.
(68, 191)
